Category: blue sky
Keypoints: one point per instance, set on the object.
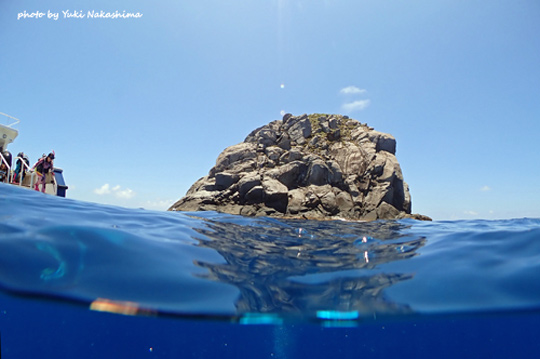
(139, 109)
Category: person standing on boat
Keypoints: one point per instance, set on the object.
(21, 165)
(5, 165)
(42, 167)
(3, 171)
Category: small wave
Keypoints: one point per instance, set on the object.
(213, 264)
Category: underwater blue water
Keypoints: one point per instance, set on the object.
(82, 280)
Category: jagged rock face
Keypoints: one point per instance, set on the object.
(316, 166)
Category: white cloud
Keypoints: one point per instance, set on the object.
(351, 90)
(117, 191)
(103, 190)
(355, 105)
(471, 213)
(485, 188)
(127, 193)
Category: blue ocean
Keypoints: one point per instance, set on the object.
(82, 280)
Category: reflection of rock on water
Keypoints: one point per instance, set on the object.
(279, 271)
(362, 294)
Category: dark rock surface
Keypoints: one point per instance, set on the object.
(310, 166)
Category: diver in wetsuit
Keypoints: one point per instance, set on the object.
(5, 165)
(20, 168)
(42, 167)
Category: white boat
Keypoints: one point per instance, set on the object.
(55, 183)
(7, 132)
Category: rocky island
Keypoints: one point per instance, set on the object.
(314, 166)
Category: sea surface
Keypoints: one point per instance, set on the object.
(82, 280)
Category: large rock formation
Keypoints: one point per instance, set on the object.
(310, 166)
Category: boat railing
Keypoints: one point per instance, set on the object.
(29, 171)
(31, 174)
(15, 120)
